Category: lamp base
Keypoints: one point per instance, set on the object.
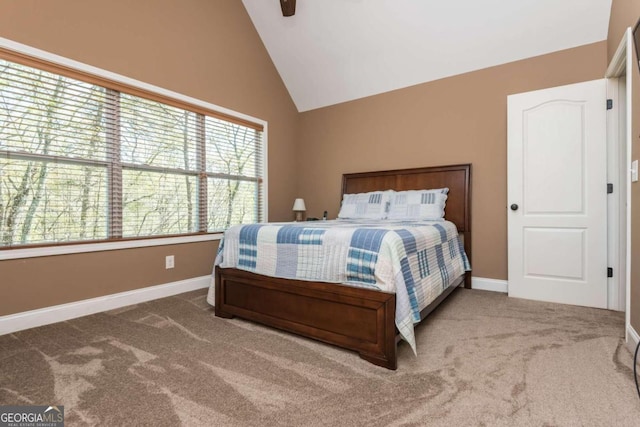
(298, 216)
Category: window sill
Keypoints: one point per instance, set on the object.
(103, 246)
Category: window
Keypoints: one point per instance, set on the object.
(86, 159)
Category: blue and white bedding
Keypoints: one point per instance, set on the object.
(416, 260)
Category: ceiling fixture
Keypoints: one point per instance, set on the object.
(288, 7)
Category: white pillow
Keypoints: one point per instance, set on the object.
(372, 205)
(418, 204)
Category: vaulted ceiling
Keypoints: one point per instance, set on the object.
(334, 51)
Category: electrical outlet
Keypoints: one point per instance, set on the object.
(634, 171)
(169, 262)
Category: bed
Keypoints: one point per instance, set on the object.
(356, 318)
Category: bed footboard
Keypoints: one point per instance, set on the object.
(354, 318)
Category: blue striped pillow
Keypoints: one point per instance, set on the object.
(372, 205)
(418, 204)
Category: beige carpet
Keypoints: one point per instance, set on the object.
(483, 359)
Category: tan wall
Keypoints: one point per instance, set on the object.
(201, 48)
(39, 282)
(461, 119)
(624, 14)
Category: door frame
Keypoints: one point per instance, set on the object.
(618, 164)
(616, 202)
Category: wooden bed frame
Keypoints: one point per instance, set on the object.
(354, 318)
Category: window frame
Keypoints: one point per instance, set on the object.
(28, 55)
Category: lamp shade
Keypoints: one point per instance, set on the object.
(299, 206)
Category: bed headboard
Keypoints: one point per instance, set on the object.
(456, 177)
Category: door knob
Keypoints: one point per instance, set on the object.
(514, 207)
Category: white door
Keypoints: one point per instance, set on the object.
(557, 198)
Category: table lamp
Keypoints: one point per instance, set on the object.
(298, 208)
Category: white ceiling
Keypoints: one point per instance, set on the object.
(334, 51)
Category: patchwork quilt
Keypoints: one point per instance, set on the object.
(416, 260)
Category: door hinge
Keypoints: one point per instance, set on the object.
(609, 272)
(609, 188)
(609, 104)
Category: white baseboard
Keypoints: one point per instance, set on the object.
(58, 313)
(632, 338)
(494, 285)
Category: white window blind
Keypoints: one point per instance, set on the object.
(233, 167)
(82, 162)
